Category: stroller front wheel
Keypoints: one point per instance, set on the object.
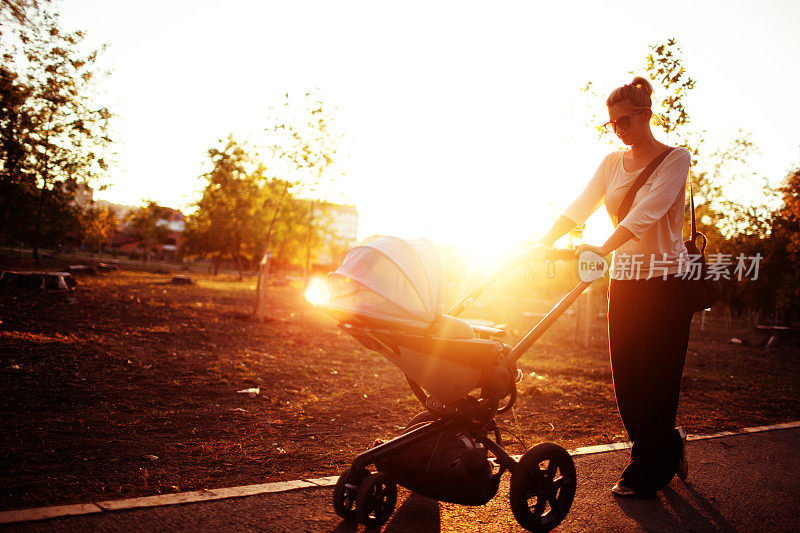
(377, 496)
(345, 493)
(542, 487)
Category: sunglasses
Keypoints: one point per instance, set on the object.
(621, 123)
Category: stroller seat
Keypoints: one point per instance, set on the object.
(452, 327)
(447, 367)
(389, 295)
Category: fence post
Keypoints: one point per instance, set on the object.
(583, 319)
(261, 287)
(589, 317)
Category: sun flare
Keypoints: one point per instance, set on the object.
(317, 292)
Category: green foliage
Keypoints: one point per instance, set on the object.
(783, 252)
(99, 226)
(302, 142)
(239, 205)
(17, 185)
(249, 209)
(144, 225)
(725, 217)
(53, 138)
(224, 221)
(665, 67)
(19, 11)
(719, 217)
(305, 148)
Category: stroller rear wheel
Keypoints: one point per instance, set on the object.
(543, 487)
(377, 496)
(345, 493)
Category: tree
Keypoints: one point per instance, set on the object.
(719, 216)
(275, 198)
(17, 185)
(304, 142)
(252, 208)
(99, 226)
(19, 11)
(144, 224)
(664, 65)
(54, 136)
(783, 254)
(243, 208)
(224, 223)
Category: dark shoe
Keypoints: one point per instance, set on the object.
(683, 462)
(621, 490)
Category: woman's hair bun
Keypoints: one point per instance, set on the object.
(635, 94)
(642, 83)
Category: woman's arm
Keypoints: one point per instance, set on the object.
(559, 229)
(589, 200)
(620, 236)
(536, 253)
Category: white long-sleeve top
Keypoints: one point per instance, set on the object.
(655, 217)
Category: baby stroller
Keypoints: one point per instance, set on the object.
(388, 295)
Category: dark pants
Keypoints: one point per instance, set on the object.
(648, 329)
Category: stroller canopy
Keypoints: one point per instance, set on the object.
(390, 279)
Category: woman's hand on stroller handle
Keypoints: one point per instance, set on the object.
(599, 250)
(534, 254)
(539, 253)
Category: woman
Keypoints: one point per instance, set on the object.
(648, 311)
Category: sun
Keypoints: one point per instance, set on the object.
(317, 292)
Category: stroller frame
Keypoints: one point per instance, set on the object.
(543, 481)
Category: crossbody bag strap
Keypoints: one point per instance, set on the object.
(627, 202)
(695, 233)
(691, 200)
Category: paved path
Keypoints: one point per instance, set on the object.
(736, 483)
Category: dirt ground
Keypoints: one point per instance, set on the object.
(128, 387)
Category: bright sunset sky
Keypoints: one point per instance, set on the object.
(464, 121)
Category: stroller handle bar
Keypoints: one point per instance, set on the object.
(551, 254)
(560, 254)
